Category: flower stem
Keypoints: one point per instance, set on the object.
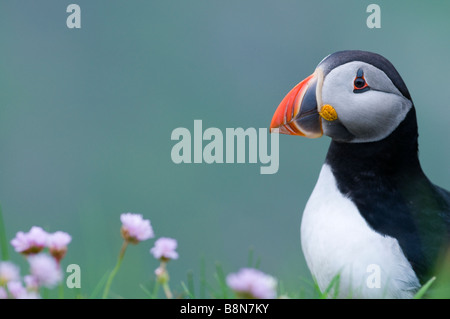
(167, 290)
(165, 280)
(61, 291)
(115, 270)
(162, 277)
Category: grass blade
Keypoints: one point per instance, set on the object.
(190, 283)
(250, 257)
(220, 276)
(186, 290)
(203, 282)
(3, 241)
(424, 289)
(145, 290)
(257, 263)
(99, 286)
(332, 287)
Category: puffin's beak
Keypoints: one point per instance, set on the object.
(297, 113)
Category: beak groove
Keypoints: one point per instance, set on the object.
(297, 113)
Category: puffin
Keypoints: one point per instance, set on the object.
(374, 221)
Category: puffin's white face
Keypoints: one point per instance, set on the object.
(366, 102)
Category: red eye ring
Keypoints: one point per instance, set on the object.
(359, 83)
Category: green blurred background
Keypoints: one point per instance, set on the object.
(86, 118)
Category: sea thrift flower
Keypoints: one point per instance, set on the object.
(3, 293)
(135, 228)
(57, 244)
(164, 249)
(8, 272)
(252, 283)
(45, 270)
(30, 243)
(31, 283)
(16, 289)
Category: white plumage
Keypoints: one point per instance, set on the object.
(337, 240)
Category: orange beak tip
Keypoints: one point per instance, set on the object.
(293, 117)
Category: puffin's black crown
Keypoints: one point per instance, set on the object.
(341, 57)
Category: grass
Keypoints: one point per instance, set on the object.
(202, 288)
(3, 242)
(422, 291)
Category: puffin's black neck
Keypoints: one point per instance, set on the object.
(386, 183)
(396, 154)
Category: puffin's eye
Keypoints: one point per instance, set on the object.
(360, 84)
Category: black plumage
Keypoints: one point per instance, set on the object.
(372, 203)
(386, 182)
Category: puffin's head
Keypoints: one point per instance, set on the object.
(352, 96)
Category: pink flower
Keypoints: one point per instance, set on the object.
(3, 293)
(135, 228)
(59, 240)
(45, 270)
(31, 283)
(30, 243)
(8, 272)
(57, 244)
(164, 249)
(16, 289)
(252, 283)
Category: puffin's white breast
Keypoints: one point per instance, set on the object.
(337, 240)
